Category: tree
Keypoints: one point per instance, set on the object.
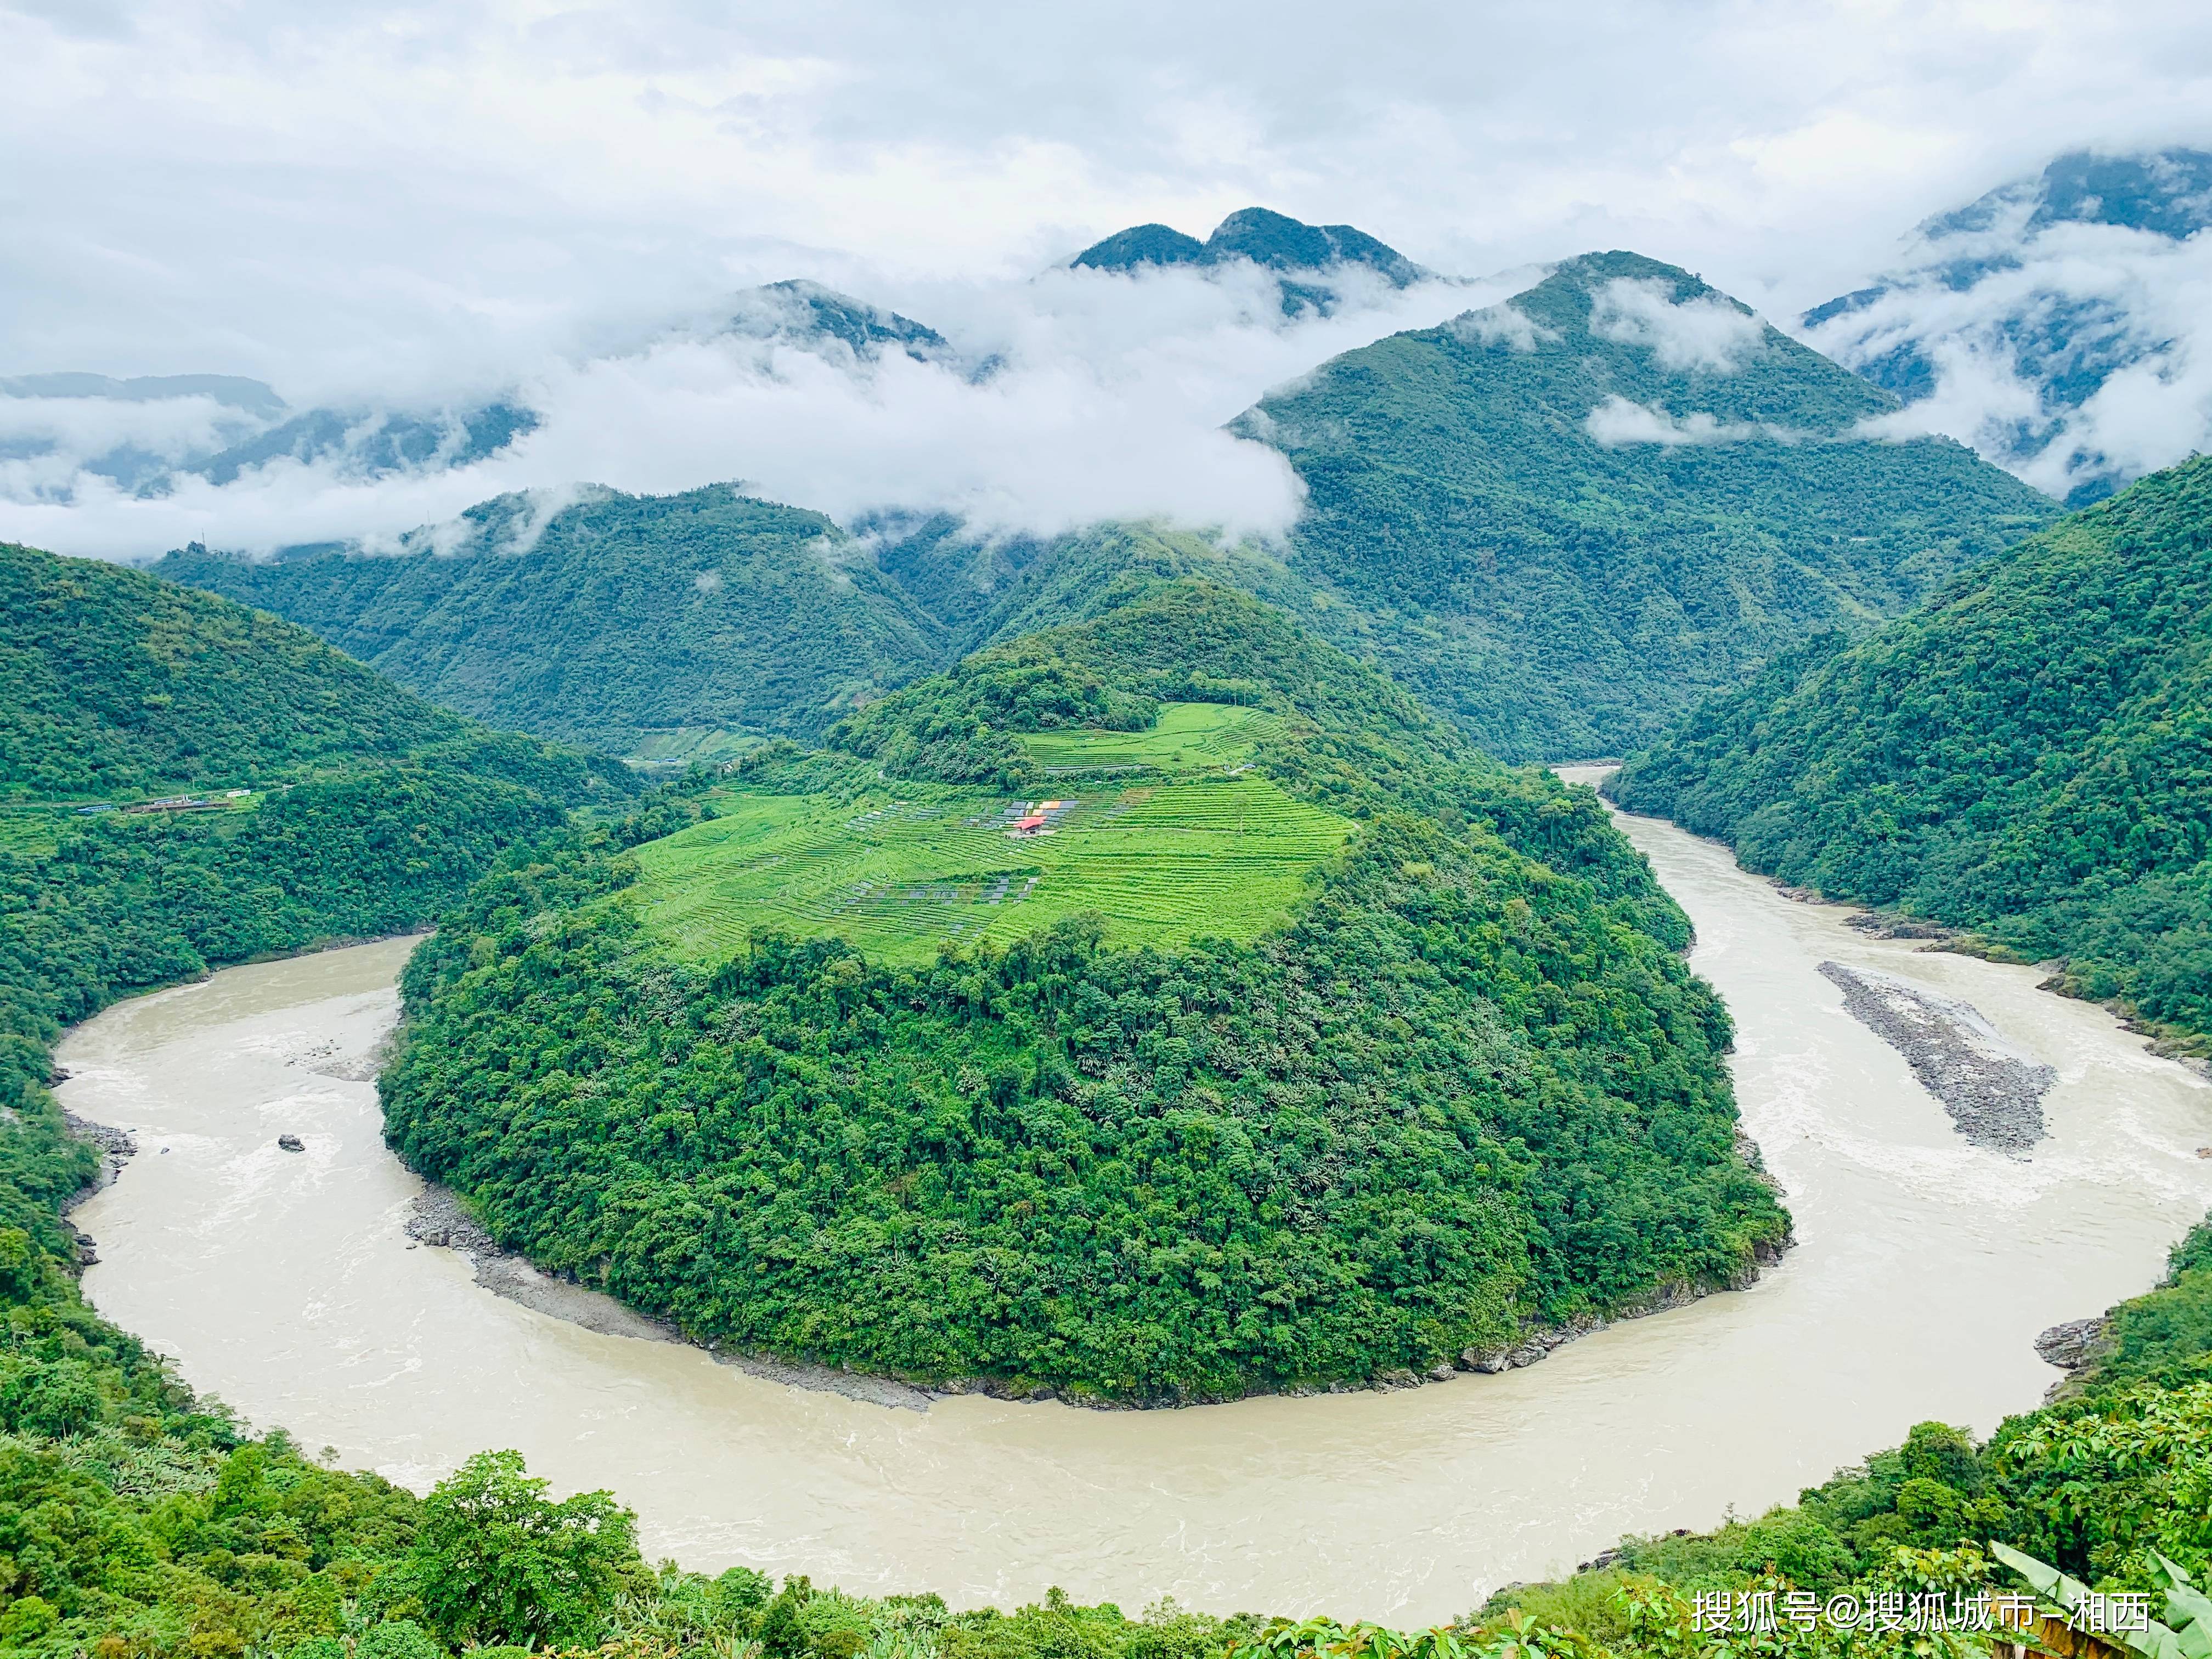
(496, 1561)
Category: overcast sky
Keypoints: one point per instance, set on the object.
(374, 205)
(329, 195)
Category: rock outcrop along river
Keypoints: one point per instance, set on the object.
(286, 1283)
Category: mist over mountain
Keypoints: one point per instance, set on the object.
(1557, 518)
(1562, 520)
(1031, 407)
(2061, 324)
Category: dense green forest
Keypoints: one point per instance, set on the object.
(1561, 586)
(139, 1522)
(365, 809)
(1560, 522)
(611, 618)
(1463, 1092)
(2023, 758)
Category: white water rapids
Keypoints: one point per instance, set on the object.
(284, 1283)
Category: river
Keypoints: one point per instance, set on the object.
(282, 1283)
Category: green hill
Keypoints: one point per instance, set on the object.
(619, 618)
(1562, 520)
(1280, 1061)
(2024, 758)
(184, 783)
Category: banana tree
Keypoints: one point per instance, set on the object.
(2186, 1632)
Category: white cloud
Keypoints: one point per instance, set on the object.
(2125, 293)
(367, 191)
(1505, 324)
(382, 200)
(1107, 401)
(1708, 333)
(1618, 421)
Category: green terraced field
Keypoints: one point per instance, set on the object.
(916, 866)
(688, 746)
(1186, 734)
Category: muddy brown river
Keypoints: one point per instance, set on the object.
(284, 1283)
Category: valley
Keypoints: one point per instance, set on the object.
(713, 946)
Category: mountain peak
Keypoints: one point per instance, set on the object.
(803, 311)
(1273, 240)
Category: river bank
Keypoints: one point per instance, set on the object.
(284, 1283)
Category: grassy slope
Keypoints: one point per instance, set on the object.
(902, 872)
(2025, 758)
(625, 615)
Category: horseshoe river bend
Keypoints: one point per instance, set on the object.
(286, 1284)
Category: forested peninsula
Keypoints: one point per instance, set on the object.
(1449, 1088)
(2023, 759)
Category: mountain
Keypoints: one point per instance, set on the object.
(134, 432)
(1101, 1089)
(231, 391)
(2052, 322)
(1561, 520)
(2023, 758)
(1273, 241)
(367, 443)
(808, 314)
(188, 782)
(610, 617)
(252, 426)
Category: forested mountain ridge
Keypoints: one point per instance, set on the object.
(1558, 522)
(1452, 1093)
(2024, 758)
(1561, 520)
(614, 616)
(118, 682)
(358, 809)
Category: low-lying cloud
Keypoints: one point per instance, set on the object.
(1075, 397)
(1709, 333)
(1505, 325)
(1617, 422)
(2077, 355)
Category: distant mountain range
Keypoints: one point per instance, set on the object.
(2058, 323)
(1562, 520)
(254, 426)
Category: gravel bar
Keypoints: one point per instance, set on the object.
(1993, 1093)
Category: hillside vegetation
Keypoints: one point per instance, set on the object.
(612, 618)
(1448, 1092)
(1562, 521)
(1559, 521)
(2102, 1482)
(2024, 758)
(363, 809)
